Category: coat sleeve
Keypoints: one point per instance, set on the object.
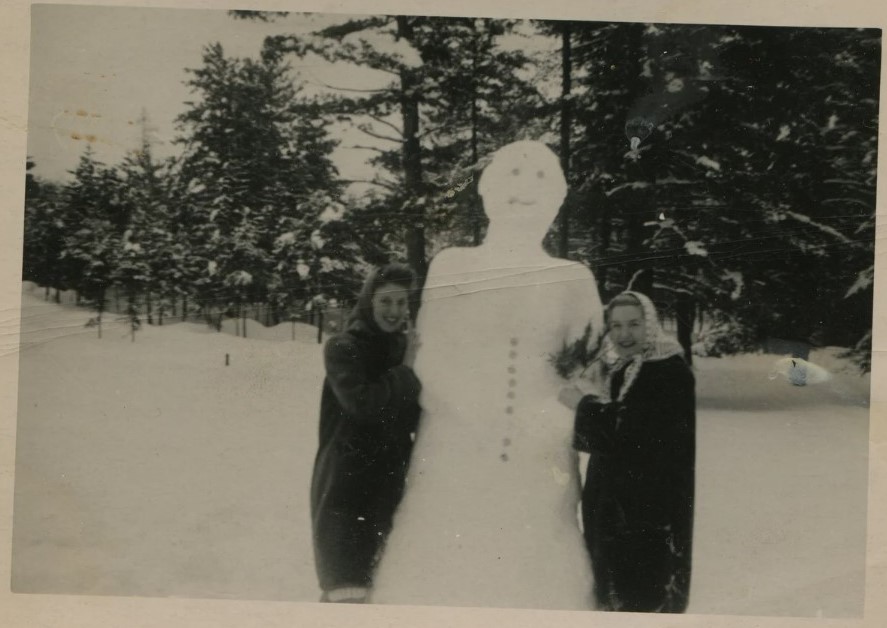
(367, 400)
(660, 423)
(595, 426)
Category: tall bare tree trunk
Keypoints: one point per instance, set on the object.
(412, 159)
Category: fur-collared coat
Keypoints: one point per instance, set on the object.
(637, 502)
(368, 413)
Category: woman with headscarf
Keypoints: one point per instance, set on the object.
(637, 502)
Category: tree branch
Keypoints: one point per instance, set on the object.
(379, 136)
(386, 123)
(344, 89)
(381, 184)
(361, 147)
(429, 131)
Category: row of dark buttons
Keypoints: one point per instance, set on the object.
(512, 383)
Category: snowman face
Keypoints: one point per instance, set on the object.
(523, 181)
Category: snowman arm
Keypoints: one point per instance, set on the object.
(432, 327)
(431, 323)
(365, 400)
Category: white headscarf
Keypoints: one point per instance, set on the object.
(657, 346)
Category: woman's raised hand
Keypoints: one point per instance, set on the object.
(570, 396)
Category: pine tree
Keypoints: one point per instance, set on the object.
(385, 44)
(256, 156)
(454, 95)
(753, 180)
(147, 267)
(477, 97)
(93, 214)
(43, 237)
(791, 178)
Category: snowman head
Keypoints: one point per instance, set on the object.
(523, 186)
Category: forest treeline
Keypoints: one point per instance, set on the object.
(729, 171)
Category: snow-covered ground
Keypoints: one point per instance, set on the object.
(150, 468)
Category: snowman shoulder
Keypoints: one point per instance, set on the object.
(576, 269)
(454, 255)
(571, 274)
(450, 262)
(582, 302)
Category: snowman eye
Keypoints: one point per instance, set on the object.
(541, 174)
(515, 171)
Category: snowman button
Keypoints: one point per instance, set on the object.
(512, 382)
(512, 354)
(510, 394)
(509, 410)
(512, 370)
(514, 341)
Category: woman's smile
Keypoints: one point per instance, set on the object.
(390, 307)
(628, 330)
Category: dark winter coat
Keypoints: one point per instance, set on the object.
(368, 412)
(637, 503)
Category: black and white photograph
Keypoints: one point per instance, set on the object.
(368, 309)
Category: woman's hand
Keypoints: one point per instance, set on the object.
(570, 396)
(413, 343)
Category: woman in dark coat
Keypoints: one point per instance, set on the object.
(368, 413)
(637, 502)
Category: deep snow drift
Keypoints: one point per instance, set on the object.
(152, 468)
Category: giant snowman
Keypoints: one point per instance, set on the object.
(489, 513)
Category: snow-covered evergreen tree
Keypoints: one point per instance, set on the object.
(43, 239)
(752, 188)
(146, 267)
(256, 156)
(92, 212)
(446, 102)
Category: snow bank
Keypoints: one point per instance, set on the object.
(300, 332)
(150, 468)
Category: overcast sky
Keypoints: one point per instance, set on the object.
(94, 69)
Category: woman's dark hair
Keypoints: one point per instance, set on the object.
(620, 299)
(398, 274)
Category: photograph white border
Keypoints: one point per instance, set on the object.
(30, 610)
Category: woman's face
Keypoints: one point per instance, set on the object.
(628, 331)
(391, 307)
